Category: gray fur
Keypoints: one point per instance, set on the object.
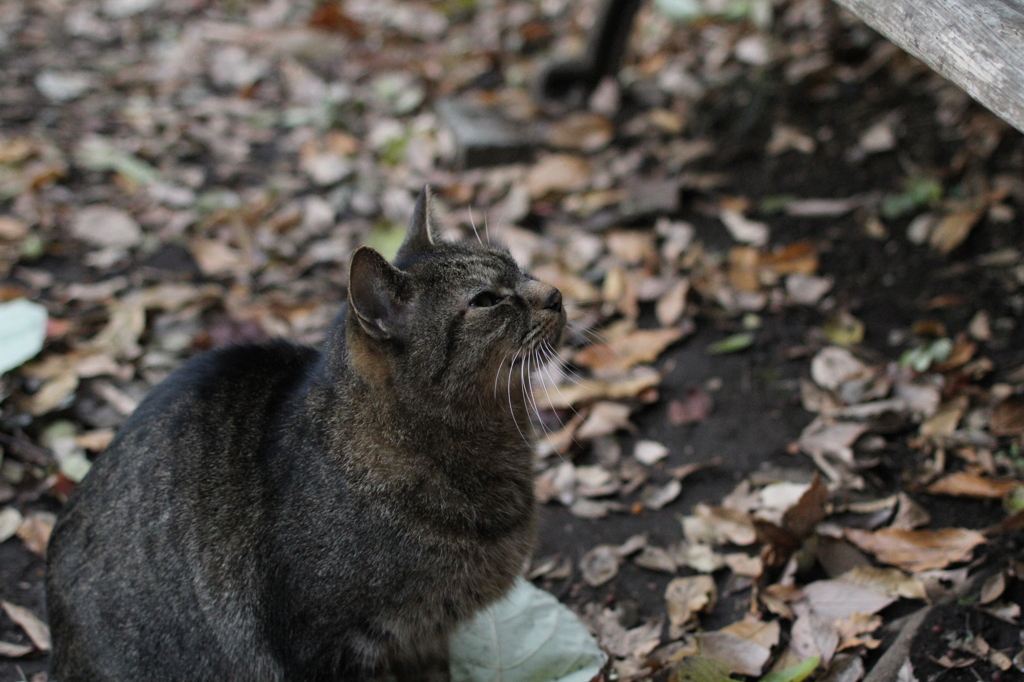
(277, 513)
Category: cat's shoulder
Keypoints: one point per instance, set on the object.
(238, 370)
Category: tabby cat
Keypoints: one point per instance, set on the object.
(274, 512)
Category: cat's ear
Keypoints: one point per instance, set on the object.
(419, 238)
(375, 293)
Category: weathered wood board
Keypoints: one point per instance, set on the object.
(977, 44)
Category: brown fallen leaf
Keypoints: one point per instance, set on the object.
(952, 230)
(917, 550)
(835, 599)
(741, 655)
(797, 258)
(644, 345)
(33, 626)
(655, 559)
(813, 635)
(582, 131)
(889, 581)
(672, 304)
(798, 522)
(853, 626)
(719, 525)
(605, 418)
(695, 406)
(558, 173)
(35, 531)
(963, 484)
(686, 597)
(993, 588)
(1008, 417)
(632, 385)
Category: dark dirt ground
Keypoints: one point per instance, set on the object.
(886, 282)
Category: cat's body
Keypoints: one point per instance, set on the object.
(274, 513)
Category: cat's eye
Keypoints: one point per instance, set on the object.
(486, 299)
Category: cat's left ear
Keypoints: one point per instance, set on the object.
(376, 294)
(419, 238)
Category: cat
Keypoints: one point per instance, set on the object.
(274, 512)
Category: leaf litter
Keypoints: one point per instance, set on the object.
(242, 166)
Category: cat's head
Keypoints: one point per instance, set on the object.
(448, 321)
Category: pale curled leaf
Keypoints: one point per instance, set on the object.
(526, 637)
(685, 598)
(22, 332)
(33, 626)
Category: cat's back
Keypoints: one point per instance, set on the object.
(172, 499)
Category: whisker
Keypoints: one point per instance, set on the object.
(562, 367)
(497, 373)
(487, 230)
(531, 400)
(554, 384)
(509, 392)
(472, 224)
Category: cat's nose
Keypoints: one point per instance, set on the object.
(554, 301)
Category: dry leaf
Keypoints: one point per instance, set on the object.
(798, 258)
(854, 625)
(1008, 417)
(605, 418)
(610, 359)
(744, 230)
(834, 365)
(672, 304)
(35, 531)
(656, 497)
(962, 484)
(600, 565)
(825, 437)
(33, 626)
(106, 226)
(558, 173)
(834, 599)
(649, 452)
(581, 131)
(686, 597)
(11, 650)
(910, 514)
(742, 564)
(889, 581)
(719, 525)
(952, 230)
(631, 385)
(813, 635)
(917, 550)
(993, 588)
(655, 559)
(741, 655)
(10, 521)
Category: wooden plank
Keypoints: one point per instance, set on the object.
(977, 44)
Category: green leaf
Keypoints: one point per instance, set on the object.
(98, 154)
(794, 673)
(921, 358)
(22, 332)
(1014, 500)
(732, 344)
(526, 637)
